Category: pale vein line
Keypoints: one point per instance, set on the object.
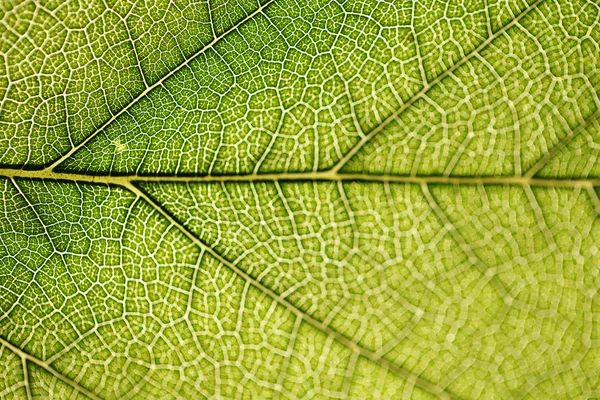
(594, 198)
(405, 374)
(286, 361)
(26, 356)
(429, 86)
(212, 25)
(156, 84)
(26, 378)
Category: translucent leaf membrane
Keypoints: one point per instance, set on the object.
(110, 295)
(450, 249)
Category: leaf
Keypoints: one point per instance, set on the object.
(359, 198)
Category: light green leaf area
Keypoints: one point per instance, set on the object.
(300, 199)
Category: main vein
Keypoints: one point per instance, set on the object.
(127, 180)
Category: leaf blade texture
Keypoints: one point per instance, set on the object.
(281, 199)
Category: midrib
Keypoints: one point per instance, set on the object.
(126, 180)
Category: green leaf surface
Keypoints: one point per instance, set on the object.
(286, 199)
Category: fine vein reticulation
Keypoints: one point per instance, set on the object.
(348, 199)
